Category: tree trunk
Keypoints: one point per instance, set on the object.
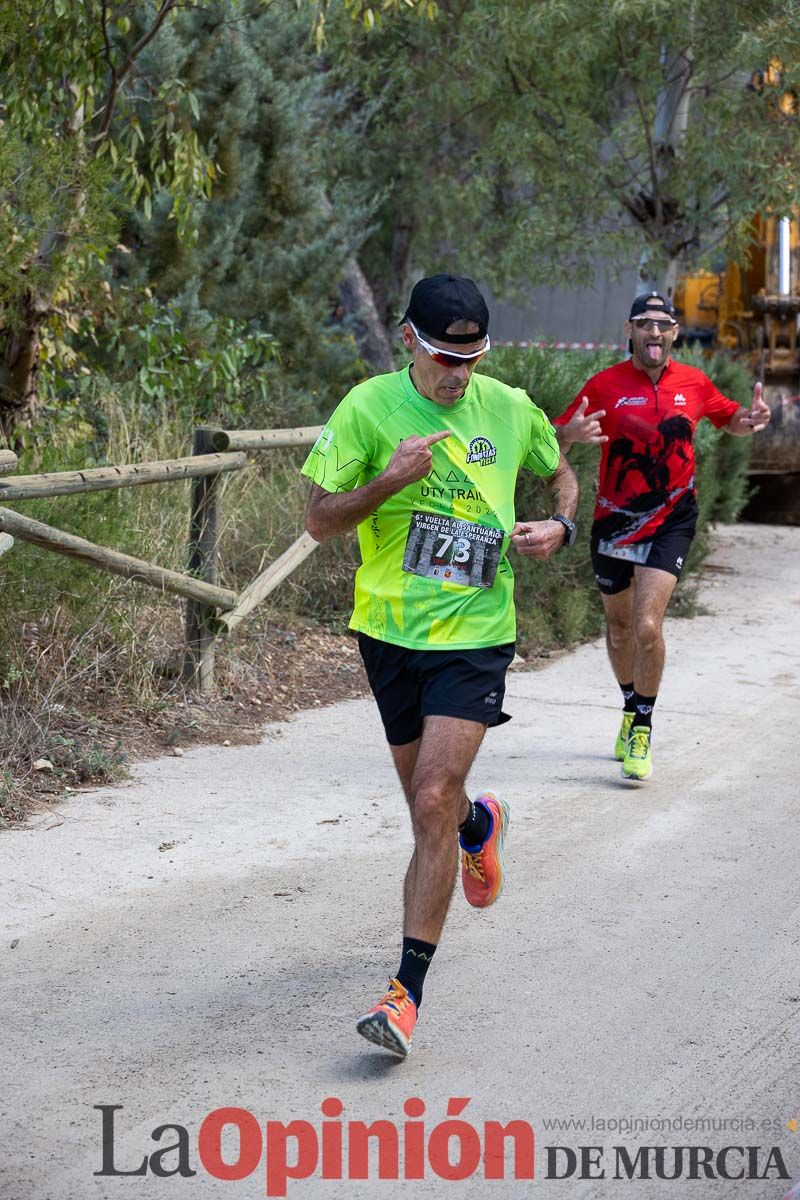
(669, 130)
(359, 304)
(664, 282)
(669, 277)
(398, 288)
(19, 368)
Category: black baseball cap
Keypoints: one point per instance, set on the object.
(651, 301)
(439, 300)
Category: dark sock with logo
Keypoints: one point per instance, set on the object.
(474, 830)
(414, 962)
(629, 696)
(644, 710)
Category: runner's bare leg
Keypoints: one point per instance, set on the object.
(619, 633)
(438, 804)
(405, 761)
(652, 593)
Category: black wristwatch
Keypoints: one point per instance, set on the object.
(570, 528)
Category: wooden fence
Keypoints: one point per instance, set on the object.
(211, 610)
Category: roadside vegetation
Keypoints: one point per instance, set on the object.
(213, 213)
(90, 664)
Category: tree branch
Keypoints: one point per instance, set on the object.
(106, 42)
(117, 76)
(648, 133)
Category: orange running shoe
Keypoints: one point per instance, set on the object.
(482, 870)
(391, 1022)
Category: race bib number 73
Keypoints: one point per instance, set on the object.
(452, 551)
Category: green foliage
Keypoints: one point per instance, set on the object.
(96, 120)
(550, 377)
(206, 369)
(369, 15)
(71, 129)
(169, 116)
(523, 141)
(48, 237)
(270, 250)
(84, 761)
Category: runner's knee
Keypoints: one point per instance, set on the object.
(618, 629)
(434, 805)
(647, 631)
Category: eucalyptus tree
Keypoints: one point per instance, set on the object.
(524, 141)
(88, 134)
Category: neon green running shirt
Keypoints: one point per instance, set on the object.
(434, 571)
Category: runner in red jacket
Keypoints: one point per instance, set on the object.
(644, 412)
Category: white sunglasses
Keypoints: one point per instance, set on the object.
(448, 358)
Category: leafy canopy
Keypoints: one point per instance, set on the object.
(522, 141)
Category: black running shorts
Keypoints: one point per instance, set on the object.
(410, 685)
(668, 551)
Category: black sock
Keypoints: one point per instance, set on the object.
(474, 830)
(628, 695)
(414, 962)
(644, 710)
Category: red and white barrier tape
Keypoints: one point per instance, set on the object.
(525, 345)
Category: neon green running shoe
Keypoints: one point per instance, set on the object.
(637, 763)
(622, 736)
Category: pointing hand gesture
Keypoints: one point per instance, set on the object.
(412, 459)
(585, 429)
(758, 416)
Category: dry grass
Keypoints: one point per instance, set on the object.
(90, 664)
(82, 711)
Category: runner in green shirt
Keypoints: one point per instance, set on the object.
(424, 463)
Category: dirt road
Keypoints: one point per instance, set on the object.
(206, 937)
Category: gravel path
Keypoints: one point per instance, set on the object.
(206, 936)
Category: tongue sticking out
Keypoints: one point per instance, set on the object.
(653, 352)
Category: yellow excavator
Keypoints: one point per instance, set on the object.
(752, 312)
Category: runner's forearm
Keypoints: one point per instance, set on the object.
(563, 486)
(330, 513)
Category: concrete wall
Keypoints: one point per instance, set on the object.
(592, 314)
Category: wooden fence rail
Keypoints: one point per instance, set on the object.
(264, 439)
(211, 609)
(59, 542)
(101, 479)
(266, 582)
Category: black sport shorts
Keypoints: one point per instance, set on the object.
(669, 549)
(410, 685)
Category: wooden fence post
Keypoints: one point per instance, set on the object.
(198, 663)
